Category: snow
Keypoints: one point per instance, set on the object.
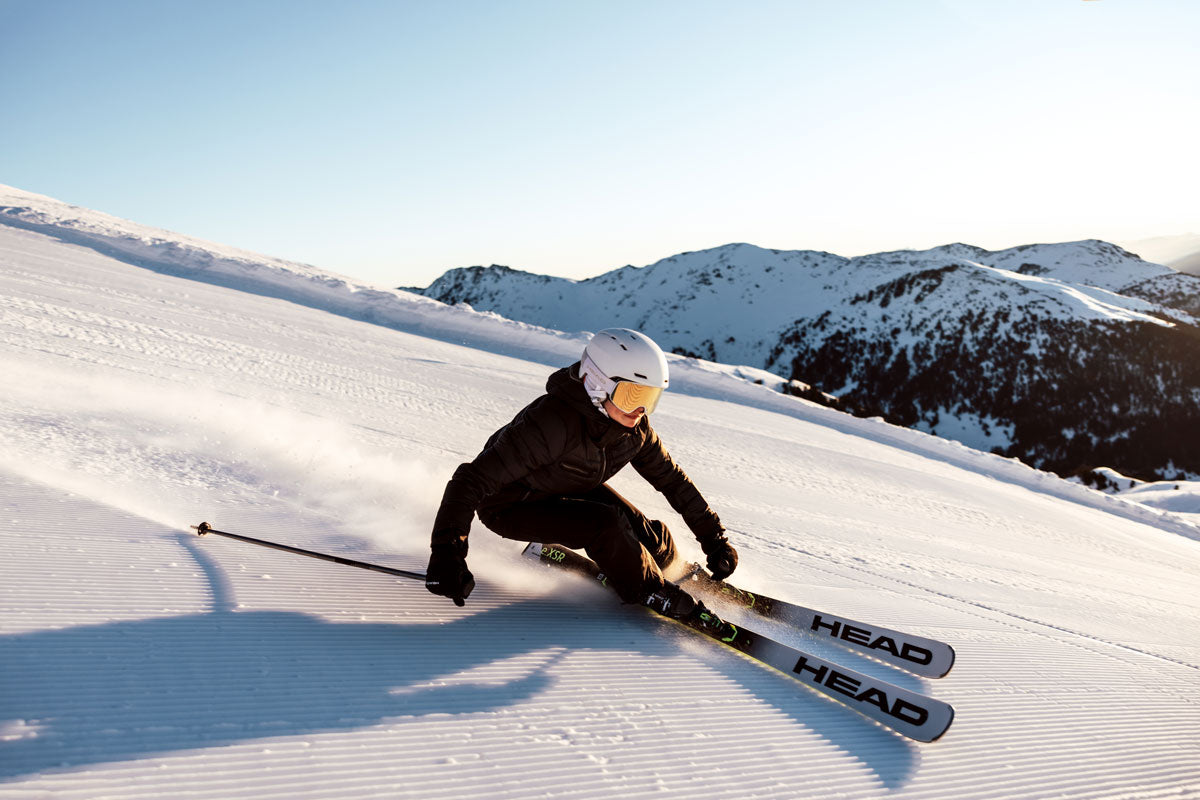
(1090, 263)
(1182, 497)
(154, 381)
(981, 433)
(1090, 302)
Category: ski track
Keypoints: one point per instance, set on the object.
(138, 660)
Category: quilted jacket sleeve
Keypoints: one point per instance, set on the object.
(655, 464)
(535, 438)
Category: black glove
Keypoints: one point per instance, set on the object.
(722, 558)
(448, 574)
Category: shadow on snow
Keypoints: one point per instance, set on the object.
(133, 689)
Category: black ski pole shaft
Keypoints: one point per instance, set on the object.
(204, 528)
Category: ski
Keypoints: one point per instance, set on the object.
(908, 713)
(922, 656)
(919, 655)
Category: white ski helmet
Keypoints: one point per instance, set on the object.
(625, 367)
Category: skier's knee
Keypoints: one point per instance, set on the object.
(661, 545)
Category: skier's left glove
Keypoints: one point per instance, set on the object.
(722, 558)
(448, 574)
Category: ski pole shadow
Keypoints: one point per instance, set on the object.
(134, 689)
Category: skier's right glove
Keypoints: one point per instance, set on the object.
(448, 574)
(722, 558)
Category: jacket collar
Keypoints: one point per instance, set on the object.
(566, 385)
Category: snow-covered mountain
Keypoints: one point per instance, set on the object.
(1065, 355)
(147, 389)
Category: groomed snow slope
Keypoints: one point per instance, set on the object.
(137, 660)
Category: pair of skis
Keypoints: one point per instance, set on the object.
(909, 713)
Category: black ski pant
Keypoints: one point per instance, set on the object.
(629, 548)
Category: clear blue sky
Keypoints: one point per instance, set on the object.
(390, 141)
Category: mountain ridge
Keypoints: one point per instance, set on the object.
(892, 332)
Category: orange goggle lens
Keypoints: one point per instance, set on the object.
(629, 397)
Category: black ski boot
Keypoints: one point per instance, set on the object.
(671, 601)
(674, 603)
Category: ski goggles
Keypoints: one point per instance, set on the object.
(625, 395)
(629, 396)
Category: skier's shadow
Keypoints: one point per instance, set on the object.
(127, 690)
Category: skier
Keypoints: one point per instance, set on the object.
(542, 477)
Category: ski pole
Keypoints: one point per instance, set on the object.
(204, 528)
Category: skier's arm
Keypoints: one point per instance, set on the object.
(528, 443)
(655, 464)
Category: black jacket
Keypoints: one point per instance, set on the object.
(560, 444)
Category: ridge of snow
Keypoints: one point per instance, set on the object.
(172, 254)
(679, 300)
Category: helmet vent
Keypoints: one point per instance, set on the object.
(640, 375)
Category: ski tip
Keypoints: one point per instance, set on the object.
(949, 663)
(946, 727)
(941, 718)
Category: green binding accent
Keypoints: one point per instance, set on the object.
(726, 639)
(746, 597)
(741, 595)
